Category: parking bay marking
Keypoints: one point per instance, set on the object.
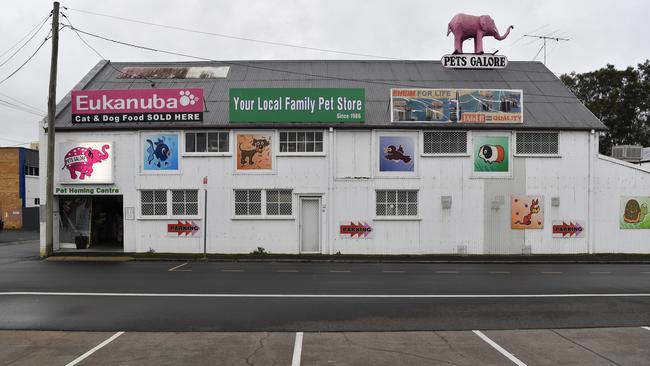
(176, 269)
(646, 328)
(368, 296)
(501, 350)
(297, 350)
(94, 349)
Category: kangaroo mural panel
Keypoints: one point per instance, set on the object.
(160, 152)
(527, 212)
(254, 151)
(634, 213)
(86, 162)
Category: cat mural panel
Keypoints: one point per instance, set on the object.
(254, 152)
(527, 212)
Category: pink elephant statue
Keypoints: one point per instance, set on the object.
(81, 159)
(465, 26)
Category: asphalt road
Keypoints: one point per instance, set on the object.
(173, 296)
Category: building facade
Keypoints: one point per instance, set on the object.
(363, 157)
(19, 188)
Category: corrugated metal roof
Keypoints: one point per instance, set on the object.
(548, 104)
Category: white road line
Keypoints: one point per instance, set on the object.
(297, 350)
(360, 296)
(551, 272)
(501, 350)
(597, 272)
(393, 271)
(446, 272)
(645, 272)
(499, 272)
(287, 270)
(646, 328)
(173, 269)
(341, 271)
(232, 270)
(95, 349)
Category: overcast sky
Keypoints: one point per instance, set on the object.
(600, 32)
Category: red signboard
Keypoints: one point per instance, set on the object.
(568, 229)
(137, 105)
(358, 229)
(189, 228)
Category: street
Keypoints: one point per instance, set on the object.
(176, 312)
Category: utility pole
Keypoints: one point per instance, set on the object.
(51, 114)
(544, 39)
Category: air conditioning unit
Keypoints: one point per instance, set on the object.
(630, 153)
(645, 155)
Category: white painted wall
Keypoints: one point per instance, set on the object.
(346, 178)
(31, 190)
(616, 178)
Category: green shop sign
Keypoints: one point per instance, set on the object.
(297, 105)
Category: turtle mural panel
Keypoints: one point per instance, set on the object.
(634, 212)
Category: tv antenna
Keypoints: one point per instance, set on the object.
(544, 39)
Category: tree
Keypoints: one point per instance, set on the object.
(620, 99)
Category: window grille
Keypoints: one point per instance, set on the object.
(538, 143)
(248, 202)
(207, 142)
(153, 203)
(397, 203)
(300, 141)
(185, 202)
(279, 202)
(445, 142)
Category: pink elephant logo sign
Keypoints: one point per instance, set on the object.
(86, 162)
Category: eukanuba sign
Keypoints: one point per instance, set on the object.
(137, 105)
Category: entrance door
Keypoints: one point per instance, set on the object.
(310, 225)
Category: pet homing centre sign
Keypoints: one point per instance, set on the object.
(297, 105)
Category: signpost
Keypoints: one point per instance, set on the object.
(297, 105)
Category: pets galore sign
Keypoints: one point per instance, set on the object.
(137, 105)
(297, 105)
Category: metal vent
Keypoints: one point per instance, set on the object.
(631, 153)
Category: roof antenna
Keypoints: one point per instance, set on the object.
(544, 38)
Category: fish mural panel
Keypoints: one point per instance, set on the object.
(160, 151)
(396, 154)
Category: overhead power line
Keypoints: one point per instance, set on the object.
(20, 108)
(259, 67)
(40, 26)
(26, 61)
(221, 35)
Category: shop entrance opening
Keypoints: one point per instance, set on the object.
(92, 223)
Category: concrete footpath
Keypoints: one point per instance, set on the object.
(593, 347)
(17, 236)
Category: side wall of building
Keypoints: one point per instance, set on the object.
(10, 201)
(346, 177)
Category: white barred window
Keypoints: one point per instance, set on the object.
(153, 203)
(185, 202)
(445, 142)
(211, 142)
(248, 202)
(301, 141)
(279, 202)
(397, 203)
(537, 143)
